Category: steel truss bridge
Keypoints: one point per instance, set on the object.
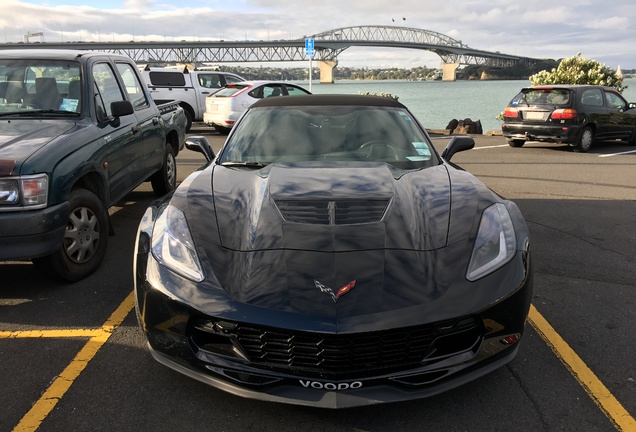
(328, 46)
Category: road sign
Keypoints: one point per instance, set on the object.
(309, 47)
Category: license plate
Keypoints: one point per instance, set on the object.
(534, 115)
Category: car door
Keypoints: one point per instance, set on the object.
(122, 140)
(148, 120)
(622, 119)
(592, 106)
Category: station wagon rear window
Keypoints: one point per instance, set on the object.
(543, 96)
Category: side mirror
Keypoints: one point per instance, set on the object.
(200, 144)
(457, 144)
(121, 108)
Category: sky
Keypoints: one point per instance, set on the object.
(601, 30)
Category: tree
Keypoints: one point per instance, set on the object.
(580, 70)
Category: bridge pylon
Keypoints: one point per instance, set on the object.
(326, 70)
(449, 71)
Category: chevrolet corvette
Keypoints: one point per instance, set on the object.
(329, 256)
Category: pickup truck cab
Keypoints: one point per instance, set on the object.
(190, 88)
(78, 132)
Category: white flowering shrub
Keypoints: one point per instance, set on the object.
(388, 95)
(580, 70)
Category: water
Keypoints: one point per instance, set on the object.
(435, 103)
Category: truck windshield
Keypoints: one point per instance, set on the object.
(37, 85)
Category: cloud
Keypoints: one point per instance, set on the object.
(613, 23)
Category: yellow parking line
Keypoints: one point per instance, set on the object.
(43, 406)
(588, 380)
(50, 333)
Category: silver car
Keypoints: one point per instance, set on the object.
(223, 108)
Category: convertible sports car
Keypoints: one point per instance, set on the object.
(328, 256)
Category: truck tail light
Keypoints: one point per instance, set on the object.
(563, 114)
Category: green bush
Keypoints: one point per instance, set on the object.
(580, 70)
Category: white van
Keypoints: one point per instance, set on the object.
(189, 88)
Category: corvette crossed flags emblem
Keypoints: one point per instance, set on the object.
(341, 291)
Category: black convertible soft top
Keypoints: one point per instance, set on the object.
(329, 99)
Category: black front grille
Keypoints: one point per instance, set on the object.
(340, 355)
(339, 212)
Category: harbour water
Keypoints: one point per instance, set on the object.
(435, 103)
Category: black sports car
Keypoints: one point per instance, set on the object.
(328, 256)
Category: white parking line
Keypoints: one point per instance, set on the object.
(488, 147)
(617, 154)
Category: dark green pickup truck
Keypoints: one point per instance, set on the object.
(78, 132)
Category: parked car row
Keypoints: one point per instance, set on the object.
(214, 97)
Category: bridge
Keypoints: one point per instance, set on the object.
(328, 45)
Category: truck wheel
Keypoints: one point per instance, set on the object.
(188, 117)
(165, 180)
(516, 142)
(85, 240)
(584, 143)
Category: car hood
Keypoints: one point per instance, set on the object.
(331, 209)
(21, 139)
(263, 251)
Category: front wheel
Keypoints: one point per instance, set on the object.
(516, 142)
(85, 240)
(584, 143)
(165, 180)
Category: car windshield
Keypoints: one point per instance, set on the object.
(329, 133)
(30, 86)
(542, 96)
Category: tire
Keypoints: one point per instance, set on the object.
(85, 240)
(516, 142)
(188, 117)
(222, 130)
(584, 141)
(165, 180)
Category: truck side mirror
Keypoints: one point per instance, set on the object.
(121, 108)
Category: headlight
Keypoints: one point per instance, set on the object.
(24, 192)
(495, 244)
(172, 244)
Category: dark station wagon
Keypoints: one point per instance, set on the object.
(574, 114)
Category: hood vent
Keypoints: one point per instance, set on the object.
(335, 212)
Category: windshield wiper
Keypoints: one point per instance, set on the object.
(250, 164)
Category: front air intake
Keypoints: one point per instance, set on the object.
(338, 212)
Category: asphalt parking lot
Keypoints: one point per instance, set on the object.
(73, 359)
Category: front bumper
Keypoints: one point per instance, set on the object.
(543, 132)
(167, 322)
(33, 233)
(291, 390)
